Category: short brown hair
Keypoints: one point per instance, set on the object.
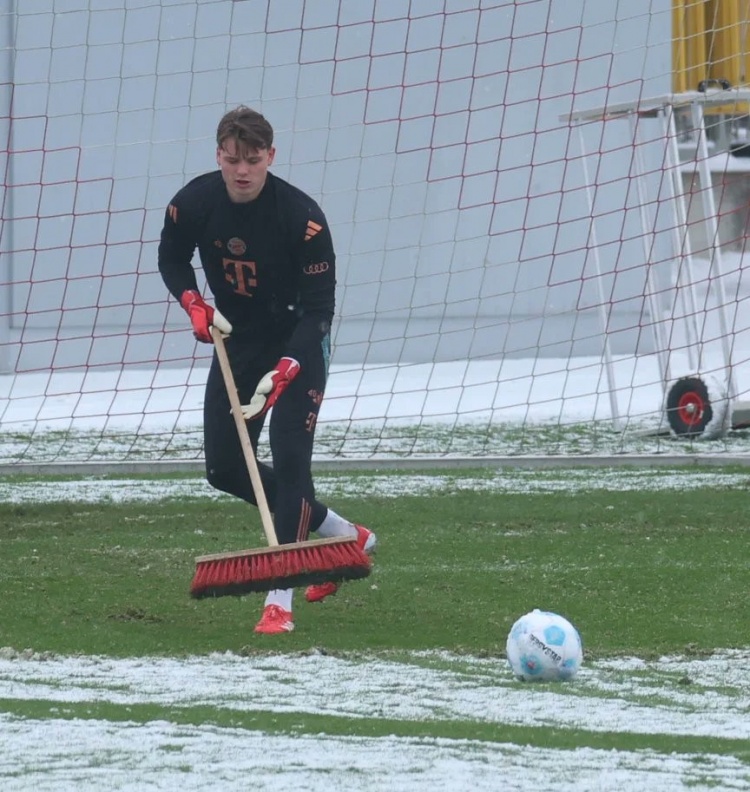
(248, 127)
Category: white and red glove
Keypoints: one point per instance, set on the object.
(270, 388)
(203, 316)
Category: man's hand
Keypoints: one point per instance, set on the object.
(270, 388)
(203, 316)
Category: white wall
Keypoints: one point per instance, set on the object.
(433, 141)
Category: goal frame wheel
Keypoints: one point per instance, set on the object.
(689, 407)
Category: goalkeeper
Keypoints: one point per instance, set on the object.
(268, 259)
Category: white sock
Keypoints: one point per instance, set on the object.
(280, 597)
(333, 525)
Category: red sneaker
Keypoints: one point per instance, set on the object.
(320, 592)
(275, 620)
(367, 540)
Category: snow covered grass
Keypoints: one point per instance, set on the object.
(684, 720)
(386, 484)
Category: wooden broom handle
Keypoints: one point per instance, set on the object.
(247, 447)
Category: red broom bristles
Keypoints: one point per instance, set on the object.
(282, 566)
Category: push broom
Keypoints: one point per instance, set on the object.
(276, 566)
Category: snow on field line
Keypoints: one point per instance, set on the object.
(120, 490)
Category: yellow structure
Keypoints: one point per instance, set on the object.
(710, 46)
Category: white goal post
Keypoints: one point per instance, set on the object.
(517, 276)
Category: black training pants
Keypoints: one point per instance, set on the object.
(288, 485)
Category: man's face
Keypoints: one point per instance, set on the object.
(244, 170)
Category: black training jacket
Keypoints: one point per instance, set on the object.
(269, 263)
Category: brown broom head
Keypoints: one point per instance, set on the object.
(284, 566)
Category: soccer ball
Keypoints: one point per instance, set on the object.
(544, 646)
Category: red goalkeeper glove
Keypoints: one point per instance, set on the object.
(203, 316)
(270, 388)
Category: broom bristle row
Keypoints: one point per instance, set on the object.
(285, 566)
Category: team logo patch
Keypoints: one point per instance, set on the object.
(316, 269)
(236, 246)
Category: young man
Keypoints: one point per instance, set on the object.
(267, 254)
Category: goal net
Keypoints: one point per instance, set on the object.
(539, 209)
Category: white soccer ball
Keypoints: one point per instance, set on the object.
(544, 646)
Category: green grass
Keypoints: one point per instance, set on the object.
(639, 573)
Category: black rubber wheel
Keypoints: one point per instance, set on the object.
(689, 408)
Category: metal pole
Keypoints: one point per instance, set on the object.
(648, 224)
(684, 294)
(603, 311)
(7, 26)
(715, 286)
